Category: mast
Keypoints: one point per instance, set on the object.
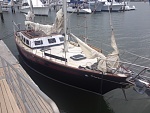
(31, 12)
(31, 7)
(65, 26)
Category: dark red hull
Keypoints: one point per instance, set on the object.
(80, 78)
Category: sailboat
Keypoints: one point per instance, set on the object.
(65, 58)
(38, 6)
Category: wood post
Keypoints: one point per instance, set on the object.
(1, 13)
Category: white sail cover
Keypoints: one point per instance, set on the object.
(113, 58)
(91, 53)
(57, 27)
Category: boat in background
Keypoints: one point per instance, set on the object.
(78, 7)
(38, 7)
(95, 5)
(127, 6)
(115, 6)
(6, 5)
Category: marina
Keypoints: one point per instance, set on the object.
(124, 31)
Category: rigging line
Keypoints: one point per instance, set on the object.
(125, 51)
(137, 55)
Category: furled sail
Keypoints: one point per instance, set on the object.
(59, 22)
(91, 53)
(113, 58)
(57, 27)
(87, 50)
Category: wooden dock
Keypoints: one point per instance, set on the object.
(7, 101)
(18, 93)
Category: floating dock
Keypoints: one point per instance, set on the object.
(18, 92)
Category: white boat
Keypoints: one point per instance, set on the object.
(6, 5)
(38, 7)
(127, 6)
(78, 7)
(95, 5)
(115, 6)
(78, 10)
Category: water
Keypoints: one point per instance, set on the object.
(132, 32)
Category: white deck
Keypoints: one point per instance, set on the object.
(72, 50)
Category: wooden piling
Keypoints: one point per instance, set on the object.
(1, 13)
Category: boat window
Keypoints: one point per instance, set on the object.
(24, 39)
(61, 39)
(40, 42)
(27, 42)
(53, 40)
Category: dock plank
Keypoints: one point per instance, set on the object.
(11, 98)
(8, 102)
(6, 97)
(2, 75)
(37, 103)
(2, 100)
